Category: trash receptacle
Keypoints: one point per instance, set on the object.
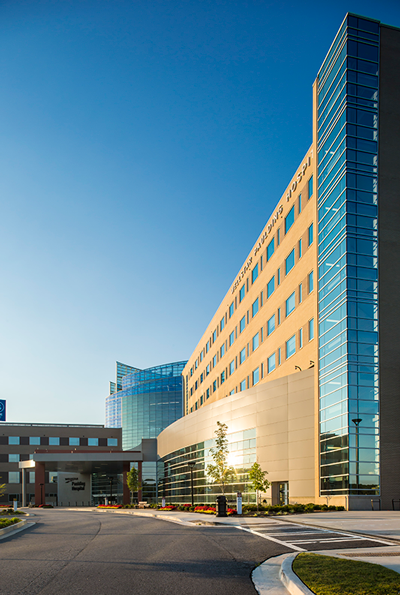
(221, 506)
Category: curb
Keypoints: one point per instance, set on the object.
(15, 528)
(291, 581)
(160, 517)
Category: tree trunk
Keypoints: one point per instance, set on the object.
(257, 499)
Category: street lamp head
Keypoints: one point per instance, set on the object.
(356, 422)
(191, 463)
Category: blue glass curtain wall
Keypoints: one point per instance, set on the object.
(347, 147)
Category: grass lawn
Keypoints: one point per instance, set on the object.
(7, 522)
(325, 575)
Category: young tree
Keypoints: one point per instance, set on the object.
(132, 480)
(257, 478)
(220, 472)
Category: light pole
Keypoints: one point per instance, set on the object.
(42, 489)
(357, 422)
(111, 479)
(191, 465)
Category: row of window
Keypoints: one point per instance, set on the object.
(56, 441)
(274, 360)
(289, 264)
(271, 324)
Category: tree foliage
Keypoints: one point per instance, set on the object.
(258, 480)
(220, 472)
(132, 480)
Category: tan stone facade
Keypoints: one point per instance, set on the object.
(219, 367)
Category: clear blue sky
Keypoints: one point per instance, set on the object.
(143, 146)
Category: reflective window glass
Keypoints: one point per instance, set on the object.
(242, 324)
(13, 477)
(243, 385)
(13, 440)
(310, 187)
(254, 273)
(242, 293)
(222, 377)
(222, 323)
(271, 325)
(289, 219)
(232, 367)
(222, 350)
(271, 363)
(289, 262)
(291, 346)
(13, 458)
(256, 376)
(112, 441)
(271, 287)
(74, 441)
(290, 304)
(231, 338)
(254, 308)
(54, 441)
(255, 341)
(93, 442)
(243, 355)
(311, 329)
(270, 249)
(34, 440)
(231, 310)
(310, 234)
(311, 282)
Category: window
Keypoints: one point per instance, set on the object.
(243, 385)
(31, 477)
(231, 338)
(232, 392)
(254, 273)
(311, 329)
(242, 293)
(289, 263)
(242, 355)
(299, 204)
(196, 384)
(256, 376)
(214, 336)
(53, 441)
(208, 393)
(278, 236)
(255, 341)
(207, 346)
(270, 249)
(196, 363)
(201, 356)
(201, 377)
(214, 361)
(74, 441)
(271, 363)
(254, 308)
(271, 287)
(242, 324)
(310, 187)
(311, 282)
(279, 356)
(300, 338)
(13, 458)
(289, 219)
(300, 249)
(34, 440)
(93, 442)
(271, 325)
(300, 293)
(232, 367)
(279, 276)
(13, 477)
(207, 369)
(222, 324)
(222, 377)
(231, 310)
(13, 440)
(214, 386)
(310, 234)
(290, 304)
(291, 347)
(222, 350)
(279, 315)
(191, 371)
(191, 391)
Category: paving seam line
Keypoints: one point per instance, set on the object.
(365, 536)
(264, 536)
(12, 529)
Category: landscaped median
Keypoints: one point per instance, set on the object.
(8, 522)
(326, 575)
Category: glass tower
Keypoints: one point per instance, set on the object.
(347, 148)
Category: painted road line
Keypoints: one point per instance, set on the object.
(264, 536)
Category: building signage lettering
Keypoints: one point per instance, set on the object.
(76, 485)
(242, 274)
(272, 222)
(299, 177)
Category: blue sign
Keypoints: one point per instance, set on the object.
(2, 411)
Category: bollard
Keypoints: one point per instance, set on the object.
(221, 506)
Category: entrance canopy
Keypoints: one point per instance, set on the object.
(82, 462)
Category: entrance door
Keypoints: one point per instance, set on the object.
(284, 493)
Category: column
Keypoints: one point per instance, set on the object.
(140, 481)
(125, 490)
(23, 472)
(39, 479)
